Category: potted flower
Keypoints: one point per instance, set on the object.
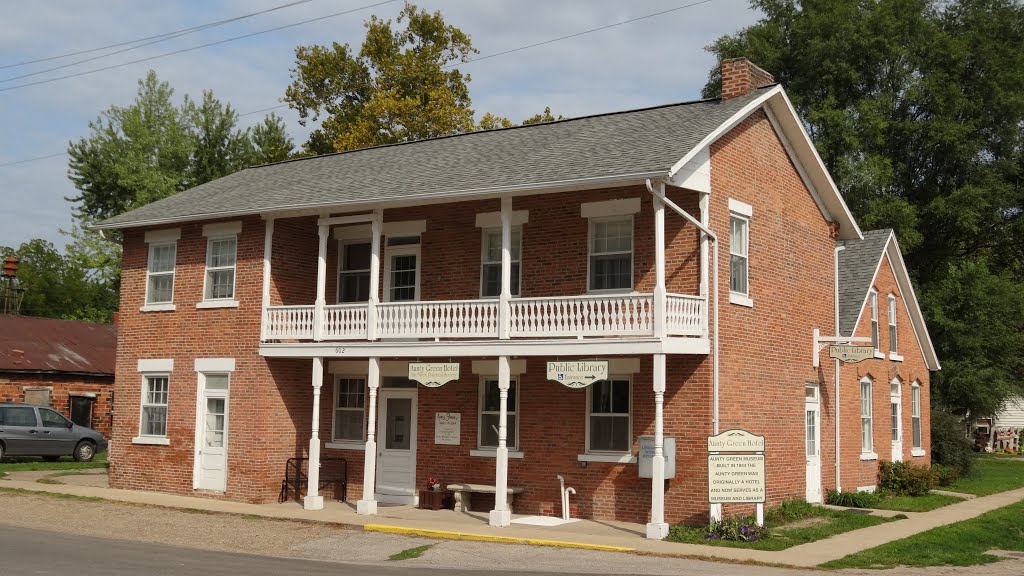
(432, 497)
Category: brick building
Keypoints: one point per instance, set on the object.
(694, 247)
(65, 364)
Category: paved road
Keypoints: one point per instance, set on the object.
(24, 552)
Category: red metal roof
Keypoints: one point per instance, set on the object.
(48, 345)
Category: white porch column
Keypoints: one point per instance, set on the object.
(376, 228)
(268, 246)
(705, 251)
(660, 297)
(501, 515)
(367, 505)
(504, 311)
(321, 283)
(313, 500)
(657, 528)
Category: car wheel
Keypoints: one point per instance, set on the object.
(85, 451)
(1, 451)
(51, 458)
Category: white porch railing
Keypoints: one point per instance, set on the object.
(548, 317)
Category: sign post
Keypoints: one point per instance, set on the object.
(578, 373)
(736, 470)
(433, 374)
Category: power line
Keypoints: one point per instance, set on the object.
(165, 36)
(207, 45)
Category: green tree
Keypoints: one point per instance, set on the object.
(219, 147)
(271, 140)
(544, 116)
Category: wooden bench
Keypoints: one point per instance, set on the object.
(463, 490)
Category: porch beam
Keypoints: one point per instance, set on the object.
(367, 505)
(342, 220)
(657, 528)
(321, 284)
(376, 228)
(268, 247)
(504, 310)
(501, 515)
(660, 299)
(313, 500)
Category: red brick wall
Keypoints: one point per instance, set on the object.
(12, 389)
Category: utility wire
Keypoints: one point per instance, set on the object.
(207, 45)
(163, 38)
(165, 35)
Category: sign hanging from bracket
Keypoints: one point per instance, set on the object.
(578, 373)
(851, 354)
(821, 341)
(433, 374)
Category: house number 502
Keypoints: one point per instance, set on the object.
(339, 350)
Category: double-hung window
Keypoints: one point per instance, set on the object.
(892, 325)
(874, 319)
(490, 265)
(608, 417)
(220, 268)
(402, 269)
(349, 400)
(160, 273)
(490, 414)
(866, 440)
(611, 253)
(354, 272)
(155, 388)
(739, 252)
(915, 416)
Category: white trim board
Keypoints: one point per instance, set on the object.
(223, 228)
(155, 365)
(493, 219)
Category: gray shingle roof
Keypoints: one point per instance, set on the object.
(857, 265)
(644, 141)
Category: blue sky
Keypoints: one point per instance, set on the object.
(649, 62)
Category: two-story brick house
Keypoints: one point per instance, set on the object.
(274, 313)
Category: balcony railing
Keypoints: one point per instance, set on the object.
(547, 317)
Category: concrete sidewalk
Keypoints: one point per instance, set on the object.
(587, 534)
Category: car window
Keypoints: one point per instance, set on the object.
(52, 419)
(20, 416)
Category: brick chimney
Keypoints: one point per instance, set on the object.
(741, 77)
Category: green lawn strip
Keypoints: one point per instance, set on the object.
(915, 503)
(793, 524)
(991, 475)
(960, 544)
(23, 492)
(28, 463)
(410, 553)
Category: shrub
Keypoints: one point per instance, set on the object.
(945, 475)
(740, 530)
(851, 499)
(905, 479)
(950, 446)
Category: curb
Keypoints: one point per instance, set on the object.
(447, 535)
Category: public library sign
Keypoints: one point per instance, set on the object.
(578, 373)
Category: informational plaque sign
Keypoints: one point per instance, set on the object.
(645, 459)
(851, 354)
(433, 374)
(447, 428)
(736, 468)
(578, 373)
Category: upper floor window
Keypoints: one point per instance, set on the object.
(874, 319)
(490, 414)
(354, 271)
(892, 324)
(402, 269)
(611, 253)
(866, 437)
(163, 250)
(608, 416)
(490, 266)
(220, 267)
(915, 414)
(739, 252)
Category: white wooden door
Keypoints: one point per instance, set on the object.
(212, 434)
(896, 414)
(812, 443)
(396, 446)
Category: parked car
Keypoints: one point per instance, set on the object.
(27, 430)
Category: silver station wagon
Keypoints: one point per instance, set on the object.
(27, 430)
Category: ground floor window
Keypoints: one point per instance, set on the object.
(154, 405)
(608, 416)
(490, 413)
(349, 398)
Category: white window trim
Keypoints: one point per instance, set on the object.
(867, 452)
(493, 219)
(230, 302)
(493, 453)
(340, 267)
(214, 365)
(868, 489)
(483, 254)
(632, 254)
(481, 390)
(915, 406)
(610, 208)
(744, 212)
(407, 228)
(160, 240)
(893, 341)
(348, 443)
(402, 250)
(155, 365)
(162, 440)
(589, 455)
(876, 335)
(157, 307)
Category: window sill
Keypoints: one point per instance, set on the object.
(868, 489)
(866, 456)
(612, 458)
(491, 453)
(917, 452)
(152, 440)
(346, 445)
(158, 308)
(879, 355)
(895, 357)
(740, 299)
(217, 304)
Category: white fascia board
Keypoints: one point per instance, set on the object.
(315, 208)
(696, 174)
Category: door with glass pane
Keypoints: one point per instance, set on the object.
(896, 419)
(812, 443)
(396, 446)
(212, 454)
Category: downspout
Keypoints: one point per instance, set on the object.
(838, 249)
(714, 329)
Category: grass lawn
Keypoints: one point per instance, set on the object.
(991, 475)
(960, 544)
(792, 524)
(915, 503)
(21, 463)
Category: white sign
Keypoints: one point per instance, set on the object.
(645, 460)
(578, 373)
(851, 354)
(447, 428)
(433, 374)
(735, 441)
(736, 478)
